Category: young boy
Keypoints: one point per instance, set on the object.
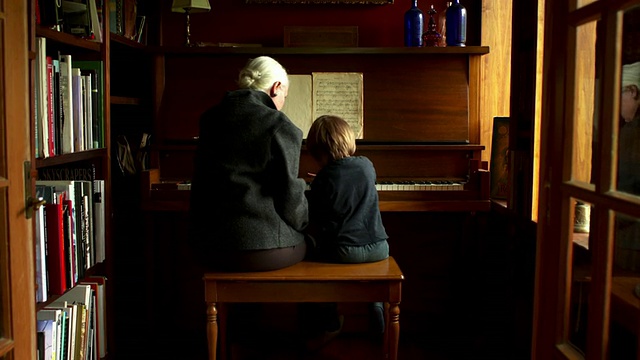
(344, 216)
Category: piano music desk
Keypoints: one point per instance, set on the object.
(306, 282)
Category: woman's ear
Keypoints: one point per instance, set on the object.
(274, 89)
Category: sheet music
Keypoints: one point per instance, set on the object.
(326, 93)
(297, 106)
(341, 94)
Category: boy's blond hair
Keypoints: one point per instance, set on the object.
(331, 136)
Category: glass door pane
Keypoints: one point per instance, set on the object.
(629, 129)
(582, 3)
(625, 289)
(625, 281)
(580, 275)
(584, 102)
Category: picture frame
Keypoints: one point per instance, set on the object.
(321, 36)
(322, 2)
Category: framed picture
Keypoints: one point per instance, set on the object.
(321, 36)
(499, 166)
(357, 2)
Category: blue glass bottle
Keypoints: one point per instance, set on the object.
(413, 25)
(456, 24)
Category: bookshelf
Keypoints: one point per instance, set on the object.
(125, 107)
(94, 154)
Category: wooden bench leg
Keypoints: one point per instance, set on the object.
(212, 330)
(393, 331)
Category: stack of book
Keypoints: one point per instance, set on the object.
(70, 233)
(69, 103)
(73, 326)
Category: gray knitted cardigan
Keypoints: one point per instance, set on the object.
(245, 193)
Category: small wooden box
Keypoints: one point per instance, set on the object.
(321, 36)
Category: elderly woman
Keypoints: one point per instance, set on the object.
(248, 207)
(627, 253)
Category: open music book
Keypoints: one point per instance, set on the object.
(326, 93)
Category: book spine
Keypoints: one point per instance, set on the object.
(94, 68)
(56, 266)
(66, 86)
(58, 108)
(88, 107)
(43, 98)
(81, 338)
(95, 122)
(50, 108)
(78, 112)
(41, 256)
(70, 243)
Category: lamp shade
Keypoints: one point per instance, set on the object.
(194, 6)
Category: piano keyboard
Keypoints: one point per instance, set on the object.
(440, 185)
(419, 186)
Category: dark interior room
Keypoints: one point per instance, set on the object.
(505, 155)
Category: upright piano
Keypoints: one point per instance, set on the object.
(421, 120)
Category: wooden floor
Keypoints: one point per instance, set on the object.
(471, 305)
(470, 341)
(352, 346)
(344, 347)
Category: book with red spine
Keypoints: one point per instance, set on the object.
(56, 262)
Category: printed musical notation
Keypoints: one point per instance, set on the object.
(326, 93)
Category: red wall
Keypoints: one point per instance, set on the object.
(238, 22)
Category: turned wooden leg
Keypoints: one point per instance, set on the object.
(393, 331)
(212, 330)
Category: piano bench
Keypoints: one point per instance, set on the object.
(306, 282)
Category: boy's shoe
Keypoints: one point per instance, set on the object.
(316, 342)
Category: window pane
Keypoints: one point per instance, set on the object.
(625, 302)
(581, 3)
(580, 275)
(584, 100)
(629, 131)
(627, 243)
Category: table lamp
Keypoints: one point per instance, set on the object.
(188, 7)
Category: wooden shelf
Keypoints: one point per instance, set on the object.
(68, 39)
(71, 158)
(119, 39)
(468, 50)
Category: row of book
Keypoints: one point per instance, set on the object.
(84, 18)
(69, 103)
(81, 18)
(73, 327)
(125, 21)
(70, 231)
